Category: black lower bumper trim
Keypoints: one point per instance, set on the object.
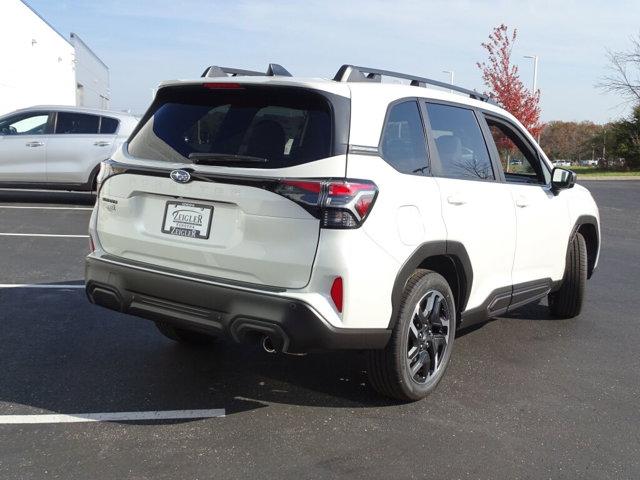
(220, 310)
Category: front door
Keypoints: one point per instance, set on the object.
(542, 216)
(23, 143)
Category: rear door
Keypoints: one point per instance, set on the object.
(477, 208)
(76, 147)
(23, 143)
(226, 212)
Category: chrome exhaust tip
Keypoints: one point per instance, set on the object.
(267, 344)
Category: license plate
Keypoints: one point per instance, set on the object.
(186, 219)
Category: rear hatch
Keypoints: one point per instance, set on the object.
(207, 187)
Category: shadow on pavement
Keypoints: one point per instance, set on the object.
(534, 311)
(49, 197)
(61, 354)
(531, 312)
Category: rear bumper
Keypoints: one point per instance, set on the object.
(221, 310)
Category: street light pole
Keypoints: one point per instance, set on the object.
(451, 75)
(535, 79)
(535, 71)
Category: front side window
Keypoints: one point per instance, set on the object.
(403, 143)
(76, 123)
(461, 147)
(280, 126)
(519, 163)
(25, 124)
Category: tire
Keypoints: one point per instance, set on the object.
(187, 337)
(417, 338)
(567, 301)
(92, 182)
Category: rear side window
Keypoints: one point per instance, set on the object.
(403, 141)
(108, 125)
(461, 147)
(285, 126)
(69, 122)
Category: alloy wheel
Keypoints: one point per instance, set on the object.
(428, 336)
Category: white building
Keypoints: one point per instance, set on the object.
(92, 76)
(38, 65)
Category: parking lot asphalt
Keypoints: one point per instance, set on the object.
(524, 397)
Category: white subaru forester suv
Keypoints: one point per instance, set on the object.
(351, 213)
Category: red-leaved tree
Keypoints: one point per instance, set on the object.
(503, 80)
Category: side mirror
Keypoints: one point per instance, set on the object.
(562, 178)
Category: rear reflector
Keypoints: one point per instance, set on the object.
(337, 293)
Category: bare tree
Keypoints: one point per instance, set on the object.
(624, 78)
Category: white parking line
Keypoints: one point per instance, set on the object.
(42, 235)
(46, 208)
(40, 285)
(112, 416)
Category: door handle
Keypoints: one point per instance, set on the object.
(522, 201)
(101, 144)
(456, 199)
(34, 144)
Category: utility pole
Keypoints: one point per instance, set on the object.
(604, 149)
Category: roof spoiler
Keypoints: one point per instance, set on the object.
(273, 70)
(352, 73)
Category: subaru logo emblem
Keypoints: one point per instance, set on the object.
(180, 176)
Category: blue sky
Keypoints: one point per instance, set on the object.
(146, 41)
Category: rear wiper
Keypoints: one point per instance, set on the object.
(215, 158)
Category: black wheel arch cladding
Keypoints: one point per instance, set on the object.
(587, 225)
(454, 252)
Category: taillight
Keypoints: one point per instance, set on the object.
(337, 293)
(337, 203)
(108, 168)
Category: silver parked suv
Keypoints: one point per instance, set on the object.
(59, 147)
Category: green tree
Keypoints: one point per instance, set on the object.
(626, 138)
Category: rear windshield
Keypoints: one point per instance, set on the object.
(286, 126)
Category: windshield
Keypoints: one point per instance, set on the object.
(284, 125)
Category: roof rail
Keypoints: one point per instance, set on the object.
(274, 70)
(352, 73)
